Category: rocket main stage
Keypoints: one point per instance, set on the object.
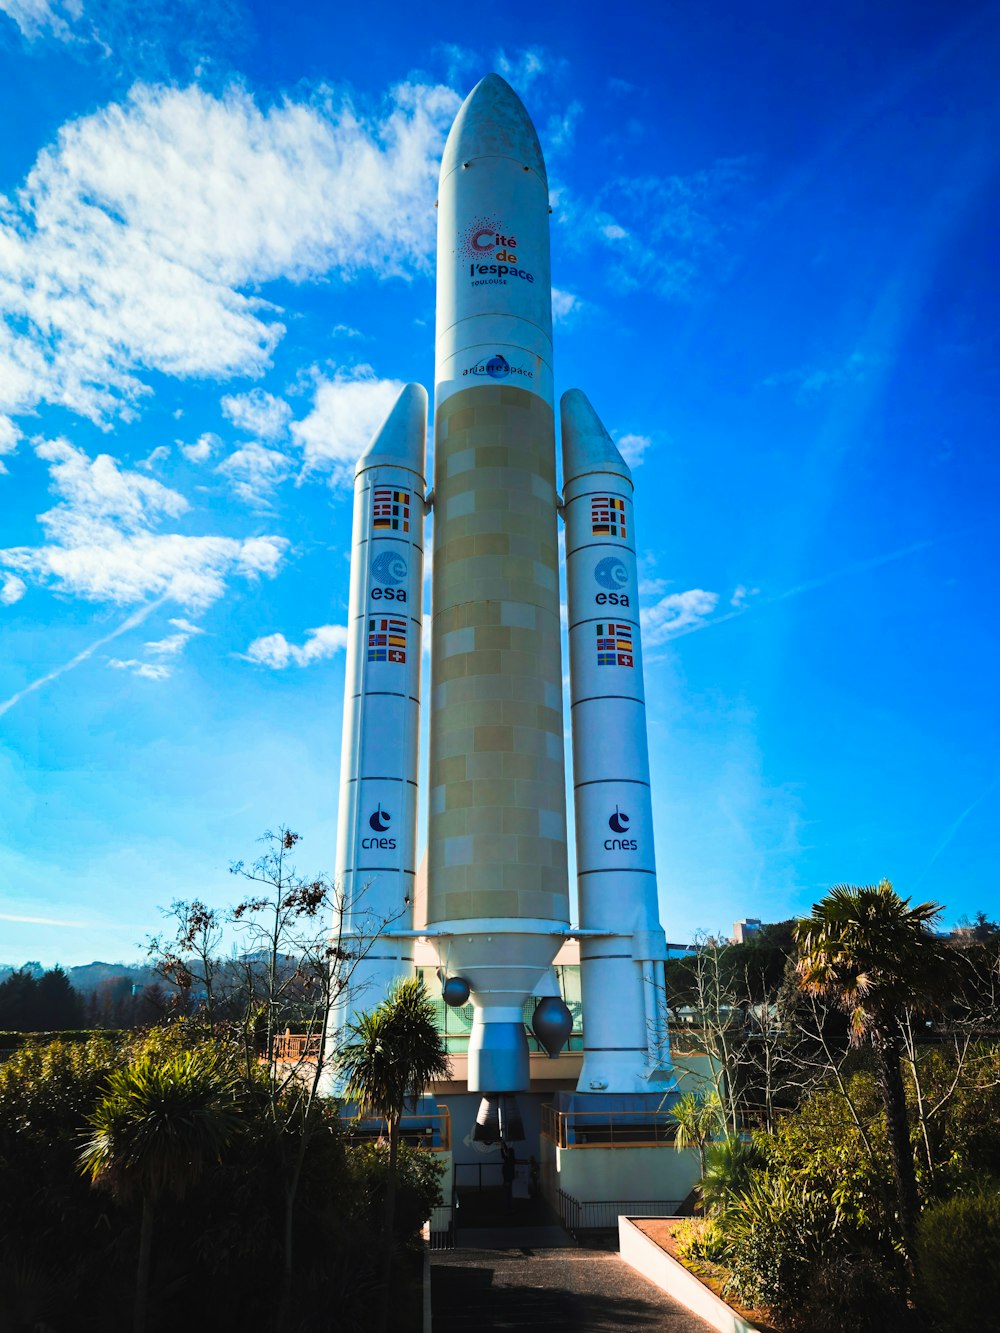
(496, 871)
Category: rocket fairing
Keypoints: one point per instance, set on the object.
(622, 945)
(376, 827)
(497, 889)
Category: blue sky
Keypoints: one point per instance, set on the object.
(775, 261)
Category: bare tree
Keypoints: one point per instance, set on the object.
(298, 943)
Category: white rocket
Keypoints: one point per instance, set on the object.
(377, 822)
(497, 891)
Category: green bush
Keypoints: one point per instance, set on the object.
(702, 1240)
(729, 1167)
(959, 1248)
(790, 1249)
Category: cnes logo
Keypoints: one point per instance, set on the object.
(379, 821)
(619, 823)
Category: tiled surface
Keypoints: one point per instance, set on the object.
(497, 836)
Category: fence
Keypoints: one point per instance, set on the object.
(441, 1228)
(608, 1129)
(603, 1214)
(430, 1131)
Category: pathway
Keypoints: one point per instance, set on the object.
(567, 1290)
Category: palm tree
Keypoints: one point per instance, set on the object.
(699, 1116)
(160, 1123)
(728, 1173)
(875, 956)
(391, 1055)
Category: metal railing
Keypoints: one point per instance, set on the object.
(470, 1176)
(608, 1129)
(603, 1214)
(430, 1131)
(441, 1228)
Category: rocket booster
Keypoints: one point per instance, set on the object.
(376, 827)
(622, 945)
(496, 855)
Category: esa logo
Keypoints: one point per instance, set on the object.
(389, 569)
(379, 822)
(610, 573)
(619, 823)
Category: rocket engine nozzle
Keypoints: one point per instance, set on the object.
(498, 1120)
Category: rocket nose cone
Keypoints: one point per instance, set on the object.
(586, 444)
(492, 122)
(402, 437)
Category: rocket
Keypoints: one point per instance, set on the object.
(497, 884)
(498, 904)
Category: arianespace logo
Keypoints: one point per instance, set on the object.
(619, 823)
(493, 254)
(497, 367)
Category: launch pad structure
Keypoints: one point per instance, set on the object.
(487, 917)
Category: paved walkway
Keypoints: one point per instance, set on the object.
(571, 1290)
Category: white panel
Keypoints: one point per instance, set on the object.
(619, 900)
(604, 583)
(614, 827)
(609, 740)
(385, 836)
(388, 741)
(606, 659)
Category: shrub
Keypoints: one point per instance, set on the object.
(959, 1248)
(729, 1167)
(792, 1250)
(702, 1240)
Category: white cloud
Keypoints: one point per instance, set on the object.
(810, 381)
(741, 595)
(274, 650)
(633, 447)
(560, 130)
(9, 436)
(258, 413)
(186, 627)
(668, 234)
(161, 452)
(255, 471)
(37, 18)
(142, 235)
(566, 307)
(100, 545)
(174, 643)
(347, 411)
(202, 449)
(524, 67)
(677, 613)
(12, 591)
(147, 670)
(96, 490)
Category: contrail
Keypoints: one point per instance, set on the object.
(954, 827)
(808, 586)
(41, 921)
(136, 618)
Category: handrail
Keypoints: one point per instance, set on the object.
(429, 1132)
(609, 1129)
